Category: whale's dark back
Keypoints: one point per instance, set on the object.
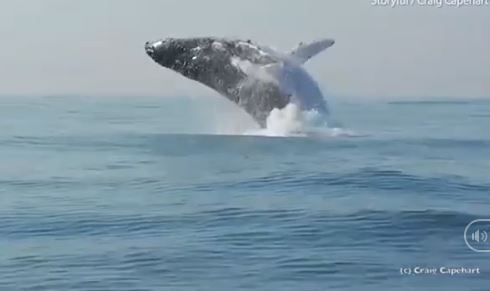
(210, 62)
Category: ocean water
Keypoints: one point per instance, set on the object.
(184, 194)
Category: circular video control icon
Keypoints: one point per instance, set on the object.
(476, 235)
(479, 236)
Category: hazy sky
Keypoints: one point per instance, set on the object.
(96, 46)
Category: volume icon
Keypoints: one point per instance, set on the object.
(479, 236)
(476, 235)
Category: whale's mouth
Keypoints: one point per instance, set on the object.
(150, 49)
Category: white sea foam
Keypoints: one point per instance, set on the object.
(221, 117)
(292, 121)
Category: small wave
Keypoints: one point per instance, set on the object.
(365, 178)
(430, 102)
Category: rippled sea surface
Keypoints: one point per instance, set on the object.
(135, 194)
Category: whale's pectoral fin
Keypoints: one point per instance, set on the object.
(304, 52)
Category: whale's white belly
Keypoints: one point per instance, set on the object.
(304, 91)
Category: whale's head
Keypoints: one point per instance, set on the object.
(164, 52)
(170, 53)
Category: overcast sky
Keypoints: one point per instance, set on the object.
(96, 46)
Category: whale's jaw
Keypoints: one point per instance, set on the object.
(150, 50)
(169, 53)
(155, 49)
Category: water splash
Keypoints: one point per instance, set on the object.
(292, 121)
(224, 118)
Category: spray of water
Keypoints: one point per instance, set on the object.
(292, 121)
(225, 118)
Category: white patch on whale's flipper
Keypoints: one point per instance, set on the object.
(304, 52)
(267, 73)
(217, 45)
(243, 65)
(291, 79)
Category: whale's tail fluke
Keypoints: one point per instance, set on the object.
(305, 51)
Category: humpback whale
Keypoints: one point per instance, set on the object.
(256, 78)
